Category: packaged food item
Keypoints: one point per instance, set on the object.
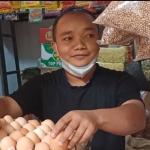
(143, 48)
(115, 36)
(27, 4)
(113, 66)
(131, 16)
(5, 4)
(82, 3)
(112, 55)
(55, 5)
(35, 15)
(11, 16)
(16, 5)
(52, 12)
(67, 4)
(46, 35)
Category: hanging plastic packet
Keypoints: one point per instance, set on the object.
(35, 15)
(5, 5)
(16, 5)
(130, 16)
(82, 3)
(29, 4)
(52, 12)
(12, 16)
(1, 17)
(67, 4)
(115, 36)
(55, 5)
(3, 11)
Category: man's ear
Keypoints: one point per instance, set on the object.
(55, 48)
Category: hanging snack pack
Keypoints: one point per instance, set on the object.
(131, 16)
(67, 4)
(115, 36)
(35, 15)
(30, 4)
(5, 4)
(112, 55)
(143, 47)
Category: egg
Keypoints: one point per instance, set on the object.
(34, 122)
(22, 121)
(8, 128)
(3, 122)
(25, 143)
(54, 143)
(46, 139)
(24, 131)
(33, 136)
(45, 127)
(8, 118)
(7, 142)
(48, 122)
(39, 132)
(29, 127)
(41, 146)
(2, 134)
(16, 135)
(16, 125)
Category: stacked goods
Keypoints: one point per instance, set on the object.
(114, 58)
(120, 20)
(20, 134)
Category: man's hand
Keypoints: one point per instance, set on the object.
(78, 126)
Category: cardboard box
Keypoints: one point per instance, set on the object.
(49, 58)
(46, 35)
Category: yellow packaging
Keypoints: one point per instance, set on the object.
(27, 4)
(82, 3)
(55, 5)
(16, 4)
(5, 11)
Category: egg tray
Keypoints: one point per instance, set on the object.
(20, 134)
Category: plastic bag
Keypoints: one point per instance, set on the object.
(143, 48)
(115, 36)
(5, 4)
(27, 4)
(131, 16)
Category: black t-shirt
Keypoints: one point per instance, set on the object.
(50, 96)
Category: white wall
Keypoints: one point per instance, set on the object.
(28, 45)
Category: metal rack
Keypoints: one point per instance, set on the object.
(3, 61)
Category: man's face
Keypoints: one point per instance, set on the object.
(76, 38)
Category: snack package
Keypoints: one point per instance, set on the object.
(66, 4)
(27, 4)
(82, 3)
(131, 16)
(115, 36)
(143, 48)
(35, 15)
(50, 5)
(112, 55)
(113, 66)
(52, 12)
(16, 5)
(5, 5)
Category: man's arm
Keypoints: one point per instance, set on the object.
(9, 106)
(126, 119)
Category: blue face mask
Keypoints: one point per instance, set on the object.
(78, 71)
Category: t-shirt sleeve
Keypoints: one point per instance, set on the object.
(127, 88)
(28, 96)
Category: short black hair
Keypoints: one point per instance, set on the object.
(71, 9)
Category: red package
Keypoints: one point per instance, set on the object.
(5, 4)
(67, 4)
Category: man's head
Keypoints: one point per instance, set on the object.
(75, 36)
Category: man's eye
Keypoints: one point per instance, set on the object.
(67, 39)
(90, 35)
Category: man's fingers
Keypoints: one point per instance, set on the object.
(77, 136)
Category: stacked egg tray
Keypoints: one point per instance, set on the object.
(20, 134)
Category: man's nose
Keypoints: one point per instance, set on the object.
(80, 44)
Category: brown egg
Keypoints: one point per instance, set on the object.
(41, 146)
(45, 127)
(24, 131)
(46, 139)
(7, 142)
(8, 128)
(25, 143)
(33, 136)
(49, 122)
(16, 125)
(39, 132)
(29, 127)
(22, 121)
(3, 122)
(34, 122)
(8, 118)
(16, 135)
(54, 143)
(2, 134)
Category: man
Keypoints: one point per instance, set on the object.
(82, 97)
